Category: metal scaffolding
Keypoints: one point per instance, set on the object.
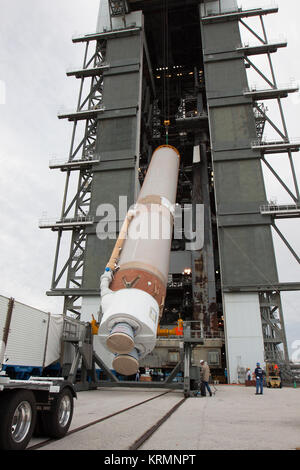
(82, 156)
(118, 132)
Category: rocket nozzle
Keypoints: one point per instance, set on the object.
(121, 339)
(126, 364)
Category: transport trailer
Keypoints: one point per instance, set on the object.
(30, 340)
(42, 407)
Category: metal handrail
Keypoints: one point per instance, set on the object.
(199, 332)
(80, 68)
(60, 161)
(224, 11)
(259, 6)
(271, 42)
(279, 207)
(264, 141)
(98, 107)
(279, 86)
(96, 33)
(65, 220)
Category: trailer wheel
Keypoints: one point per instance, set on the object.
(56, 422)
(17, 419)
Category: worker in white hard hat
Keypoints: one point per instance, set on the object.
(205, 371)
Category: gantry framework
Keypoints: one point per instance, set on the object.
(189, 73)
(269, 294)
(75, 213)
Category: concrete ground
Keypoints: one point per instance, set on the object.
(233, 419)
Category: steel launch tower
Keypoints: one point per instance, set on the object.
(175, 71)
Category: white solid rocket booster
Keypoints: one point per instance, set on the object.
(133, 286)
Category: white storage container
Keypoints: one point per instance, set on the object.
(34, 338)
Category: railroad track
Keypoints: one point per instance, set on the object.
(138, 442)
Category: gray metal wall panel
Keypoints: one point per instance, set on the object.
(123, 49)
(248, 218)
(121, 94)
(116, 136)
(109, 185)
(239, 184)
(116, 174)
(246, 257)
(124, 92)
(221, 37)
(232, 126)
(96, 259)
(235, 154)
(246, 251)
(225, 80)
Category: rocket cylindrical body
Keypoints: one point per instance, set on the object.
(137, 290)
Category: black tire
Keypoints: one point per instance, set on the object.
(56, 422)
(17, 419)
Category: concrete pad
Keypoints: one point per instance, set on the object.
(234, 419)
(118, 432)
(96, 404)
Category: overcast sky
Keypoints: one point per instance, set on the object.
(36, 49)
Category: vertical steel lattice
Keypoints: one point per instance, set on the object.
(270, 302)
(84, 154)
